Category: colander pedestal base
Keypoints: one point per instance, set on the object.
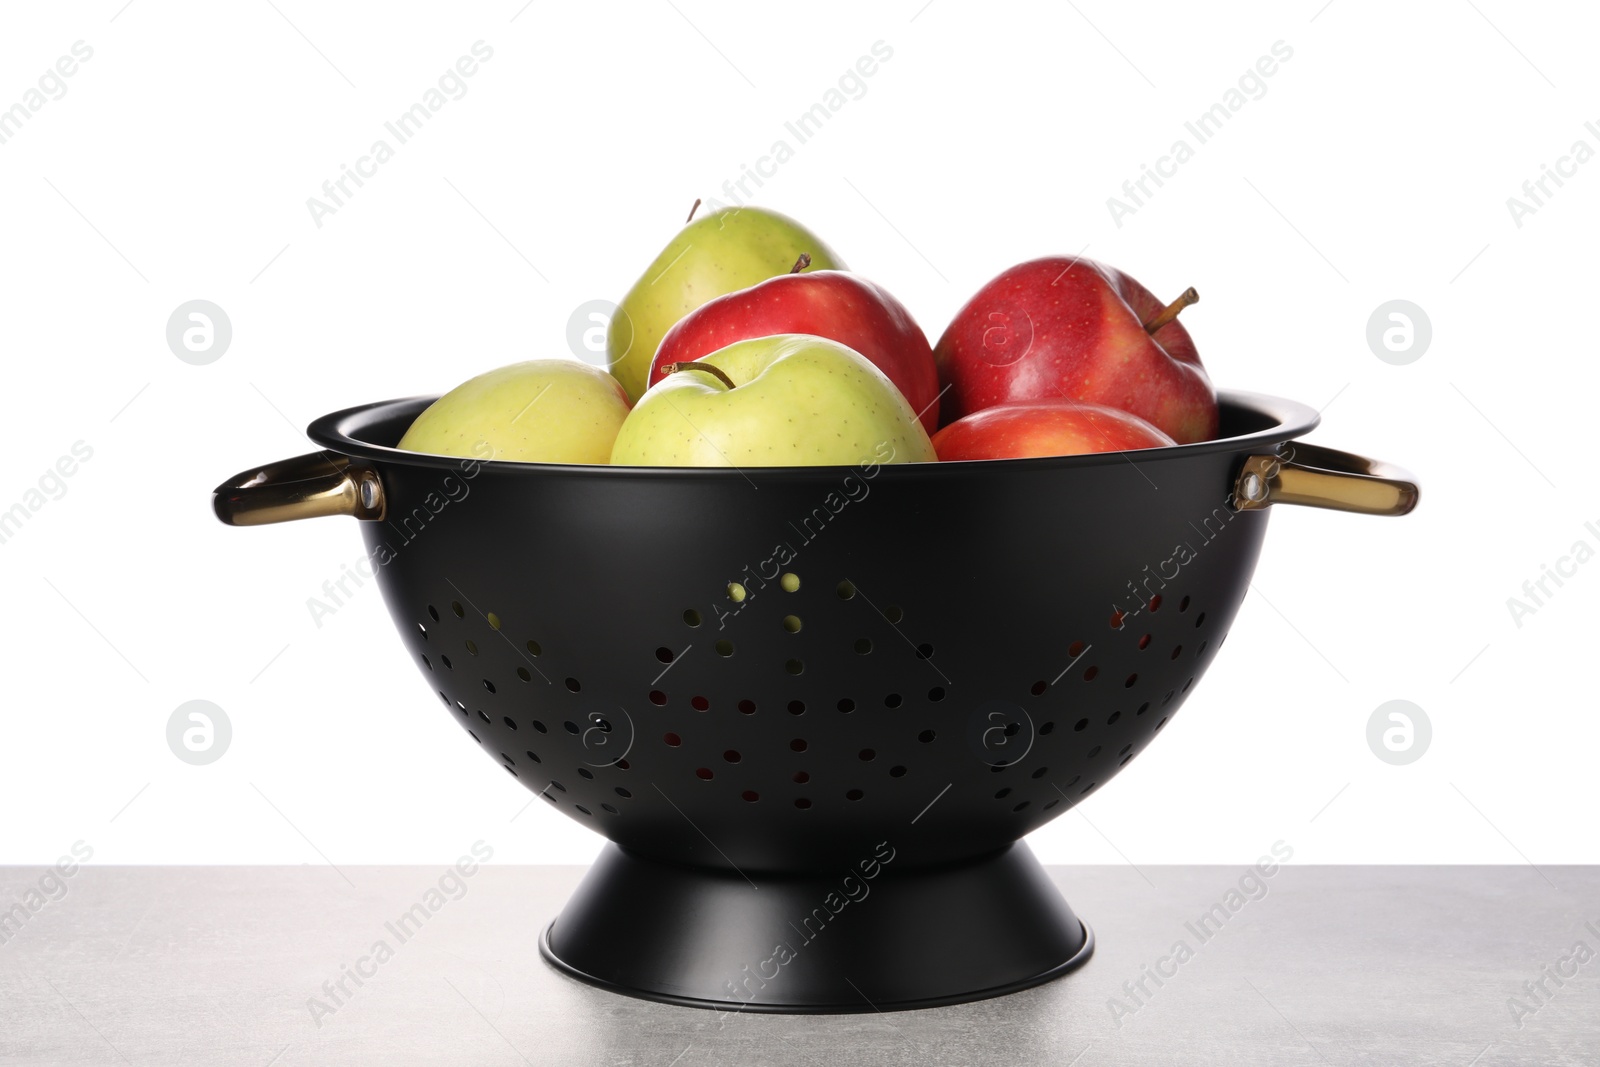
(829, 941)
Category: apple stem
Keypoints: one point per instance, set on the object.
(692, 211)
(1170, 312)
(801, 264)
(715, 372)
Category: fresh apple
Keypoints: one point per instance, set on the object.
(1071, 327)
(1057, 427)
(541, 411)
(788, 400)
(719, 252)
(839, 306)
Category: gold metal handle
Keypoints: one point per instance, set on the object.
(1324, 478)
(321, 483)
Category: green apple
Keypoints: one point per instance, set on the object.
(541, 411)
(721, 252)
(788, 400)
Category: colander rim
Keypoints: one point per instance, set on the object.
(341, 431)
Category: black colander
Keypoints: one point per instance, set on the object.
(815, 709)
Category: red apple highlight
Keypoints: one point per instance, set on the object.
(841, 307)
(1057, 427)
(1070, 327)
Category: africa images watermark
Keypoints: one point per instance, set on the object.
(851, 85)
(1537, 993)
(1252, 85)
(450, 886)
(453, 488)
(51, 485)
(853, 888)
(1251, 886)
(47, 889)
(852, 489)
(1566, 567)
(451, 85)
(1536, 192)
(51, 85)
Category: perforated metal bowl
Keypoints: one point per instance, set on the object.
(758, 682)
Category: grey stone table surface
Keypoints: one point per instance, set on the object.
(1458, 966)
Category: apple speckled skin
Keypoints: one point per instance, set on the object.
(1064, 326)
(798, 401)
(717, 253)
(834, 304)
(539, 411)
(1057, 427)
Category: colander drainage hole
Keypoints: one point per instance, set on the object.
(1038, 688)
(1131, 681)
(1155, 602)
(534, 756)
(1019, 807)
(1187, 684)
(892, 700)
(1051, 804)
(446, 661)
(926, 736)
(867, 755)
(797, 707)
(1041, 772)
(699, 703)
(845, 590)
(657, 697)
(847, 705)
(893, 613)
(475, 736)
(433, 613)
(1177, 651)
(537, 725)
(1092, 753)
(1199, 620)
(897, 772)
(801, 777)
(801, 802)
(791, 623)
(512, 773)
(736, 592)
(444, 698)
(423, 630)
(460, 612)
(584, 772)
(691, 617)
(609, 810)
(425, 662)
(731, 756)
(724, 647)
(1144, 642)
(522, 672)
(664, 654)
(571, 727)
(794, 666)
(548, 797)
(1081, 725)
(790, 582)
(1048, 727)
(854, 794)
(1075, 649)
(583, 809)
(509, 721)
(472, 646)
(924, 651)
(1160, 724)
(1090, 674)
(1116, 620)
(703, 773)
(557, 785)
(574, 685)
(748, 707)
(533, 649)
(1002, 794)
(493, 620)
(1183, 605)
(863, 646)
(488, 685)
(1143, 708)
(798, 744)
(1201, 650)
(623, 793)
(750, 796)
(936, 693)
(672, 740)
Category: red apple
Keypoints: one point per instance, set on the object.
(1057, 427)
(842, 307)
(1070, 327)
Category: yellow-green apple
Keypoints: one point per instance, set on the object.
(788, 400)
(1070, 327)
(540, 411)
(717, 253)
(1058, 427)
(834, 304)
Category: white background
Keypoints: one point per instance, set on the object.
(1376, 166)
